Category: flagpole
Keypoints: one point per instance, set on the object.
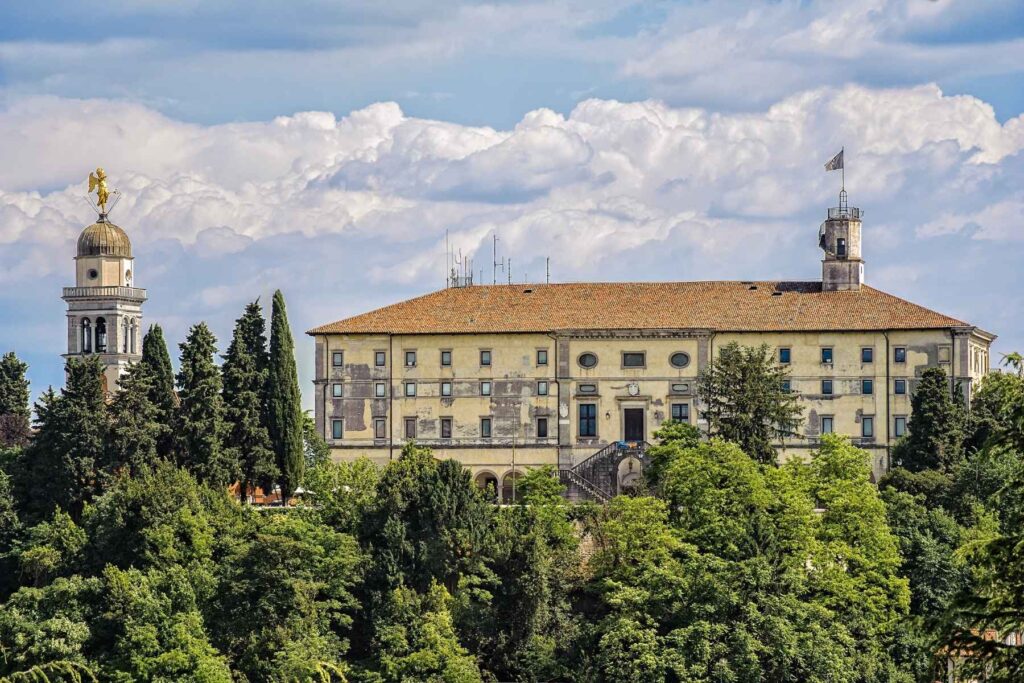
(842, 150)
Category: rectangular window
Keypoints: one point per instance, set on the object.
(841, 247)
(336, 390)
(379, 358)
(542, 388)
(900, 386)
(784, 355)
(681, 412)
(410, 427)
(826, 355)
(337, 359)
(867, 355)
(485, 357)
(542, 356)
(446, 428)
(446, 388)
(485, 388)
(867, 386)
(679, 388)
(410, 389)
(826, 387)
(634, 360)
(446, 359)
(587, 388)
(867, 427)
(337, 429)
(787, 386)
(410, 359)
(542, 428)
(378, 390)
(900, 427)
(588, 419)
(827, 424)
(485, 428)
(944, 354)
(899, 354)
(380, 430)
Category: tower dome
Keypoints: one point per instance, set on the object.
(103, 238)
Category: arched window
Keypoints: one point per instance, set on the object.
(124, 336)
(86, 342)
(101, 335)
(135, 336)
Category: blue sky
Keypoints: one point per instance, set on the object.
(326, 147)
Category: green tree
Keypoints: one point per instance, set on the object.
(427, 523)
(416, 640)
(284, 401)
(671, 437)
(935, 432)
(245, 376)
(342, 493)
(134, 429)
(314, 447)
(745, 401)
(201, 416)
(301, 576)
(151, 629)
(60, 468)
(50, 549)
(14, 411)
(157, 359)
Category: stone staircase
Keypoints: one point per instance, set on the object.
(596, 477)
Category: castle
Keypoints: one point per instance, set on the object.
(579, 375)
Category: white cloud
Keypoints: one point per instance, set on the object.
(349, 213)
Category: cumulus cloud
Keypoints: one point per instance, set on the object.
(346, 213)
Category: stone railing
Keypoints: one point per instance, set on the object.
(90, 292)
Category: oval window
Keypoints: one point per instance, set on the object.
(93, 274)
(587, 360)
(679, 360)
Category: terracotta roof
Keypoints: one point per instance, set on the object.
(724, 306)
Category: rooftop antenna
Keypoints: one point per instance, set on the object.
(510, 270)
(547, 270)
(497, 263)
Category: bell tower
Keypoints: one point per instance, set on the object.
(104, 308)
(842, 268)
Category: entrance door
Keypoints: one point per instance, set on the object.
(634, 424)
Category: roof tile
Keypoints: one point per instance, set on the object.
(722, 306)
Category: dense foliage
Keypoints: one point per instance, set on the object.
(746, 400)
(121, 563)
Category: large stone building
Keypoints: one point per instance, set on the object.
(580, 375)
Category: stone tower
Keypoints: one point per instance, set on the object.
(842, 269)
(104, 306)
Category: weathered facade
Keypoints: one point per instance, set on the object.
(508, 377)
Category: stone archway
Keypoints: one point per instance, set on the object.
(630, 475)
(488, 481)
(510, 487)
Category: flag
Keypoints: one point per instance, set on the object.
(836, 163)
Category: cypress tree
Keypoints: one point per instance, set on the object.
(134, 429)
(157, 360)
(245, 375)
(936, 430)
(200, 424)
(14, 412)
(284, 401)
(59, 468)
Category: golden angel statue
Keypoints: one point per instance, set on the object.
(98, 184)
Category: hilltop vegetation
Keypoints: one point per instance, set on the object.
(123, 557)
